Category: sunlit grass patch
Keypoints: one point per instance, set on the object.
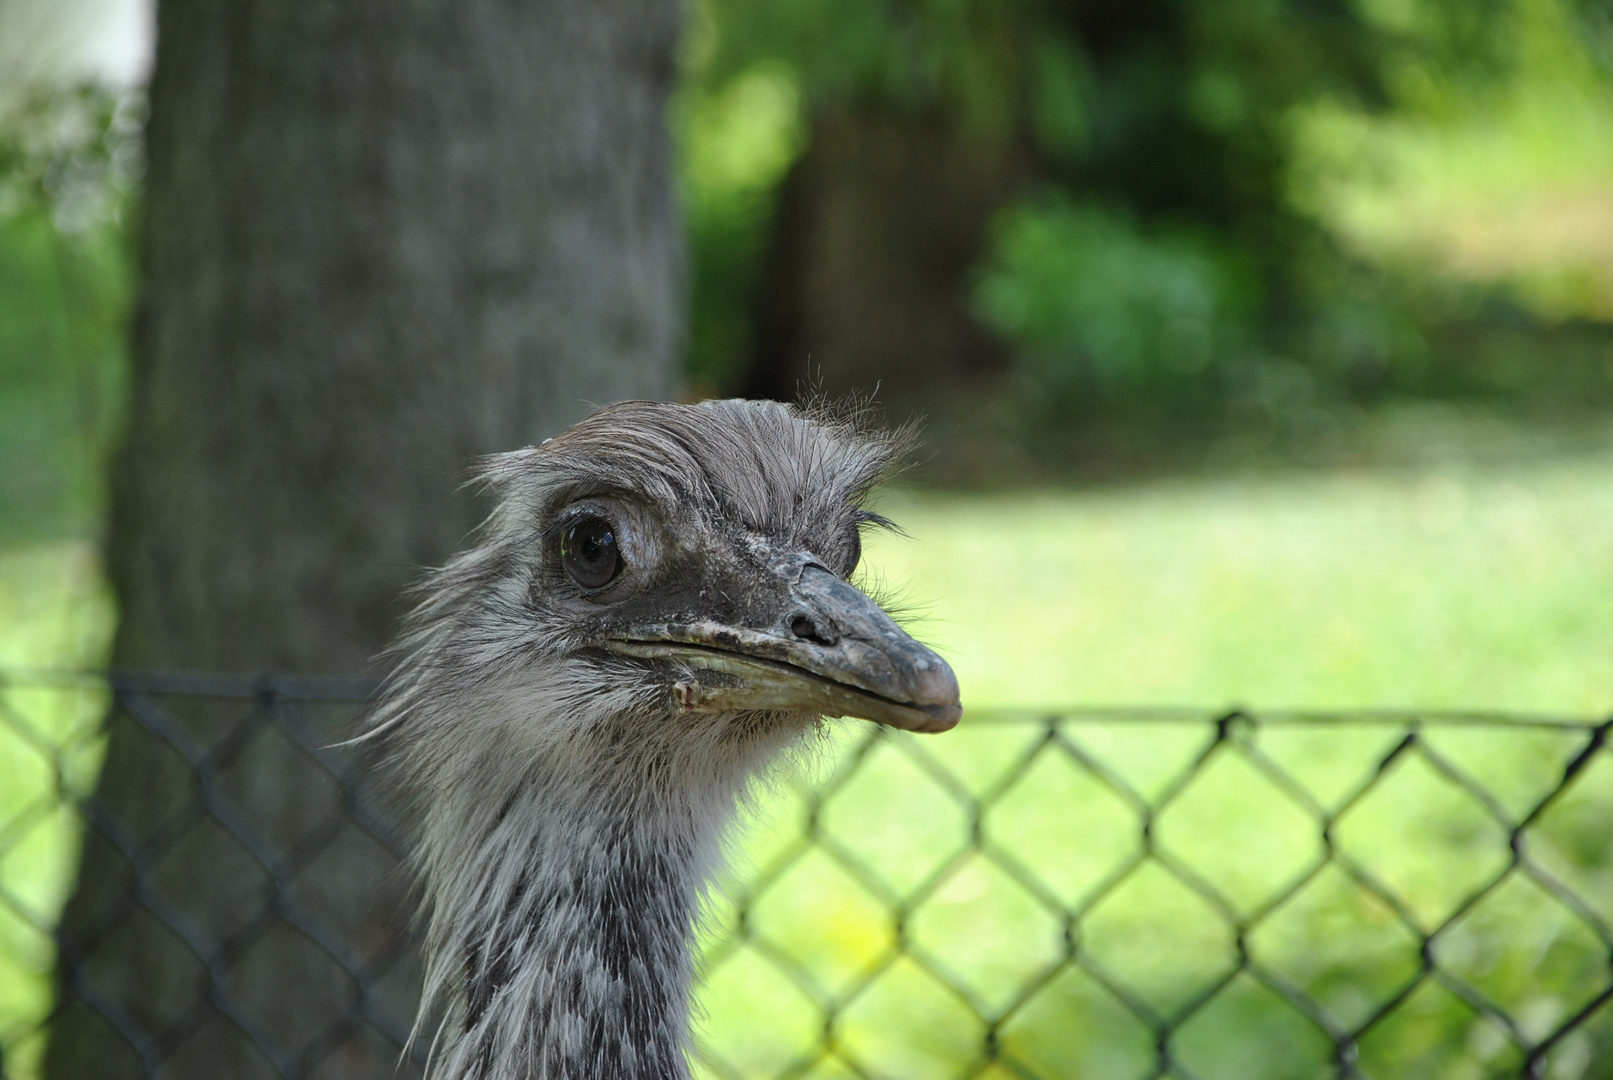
(55, 607)
(49, 757)
(54, 614)
(1448, 588)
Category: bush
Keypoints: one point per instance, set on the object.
(1101, 311)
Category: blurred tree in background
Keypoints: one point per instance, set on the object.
(1174, 214)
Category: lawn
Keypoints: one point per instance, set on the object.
(1434, 589)
(1447, 588)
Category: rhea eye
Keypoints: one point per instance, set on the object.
(589, 553)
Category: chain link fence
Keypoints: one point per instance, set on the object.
(1094, 894)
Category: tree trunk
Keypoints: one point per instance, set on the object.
(380, 238)
(867, 276)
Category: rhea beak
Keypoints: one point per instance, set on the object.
(827, 648)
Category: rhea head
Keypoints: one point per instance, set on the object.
(659, 561)
(659, 604)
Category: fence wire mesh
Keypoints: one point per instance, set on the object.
(1085, 894)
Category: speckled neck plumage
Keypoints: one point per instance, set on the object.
(572, 920)
(579, 966)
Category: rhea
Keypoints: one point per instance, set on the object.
(657, 608)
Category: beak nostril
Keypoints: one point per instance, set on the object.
(807, 630)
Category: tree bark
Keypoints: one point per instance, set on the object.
(379, 238)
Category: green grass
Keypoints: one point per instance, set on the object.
(1451, 589)
(1433, 589)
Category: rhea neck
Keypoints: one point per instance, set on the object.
(569, 925)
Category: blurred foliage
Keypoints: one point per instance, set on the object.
(1508, 183)
(1324, 192)
(69, 162)
(1170, 114)
(1103, 310)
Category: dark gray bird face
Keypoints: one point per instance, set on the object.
(662, 560)
(724, 615)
